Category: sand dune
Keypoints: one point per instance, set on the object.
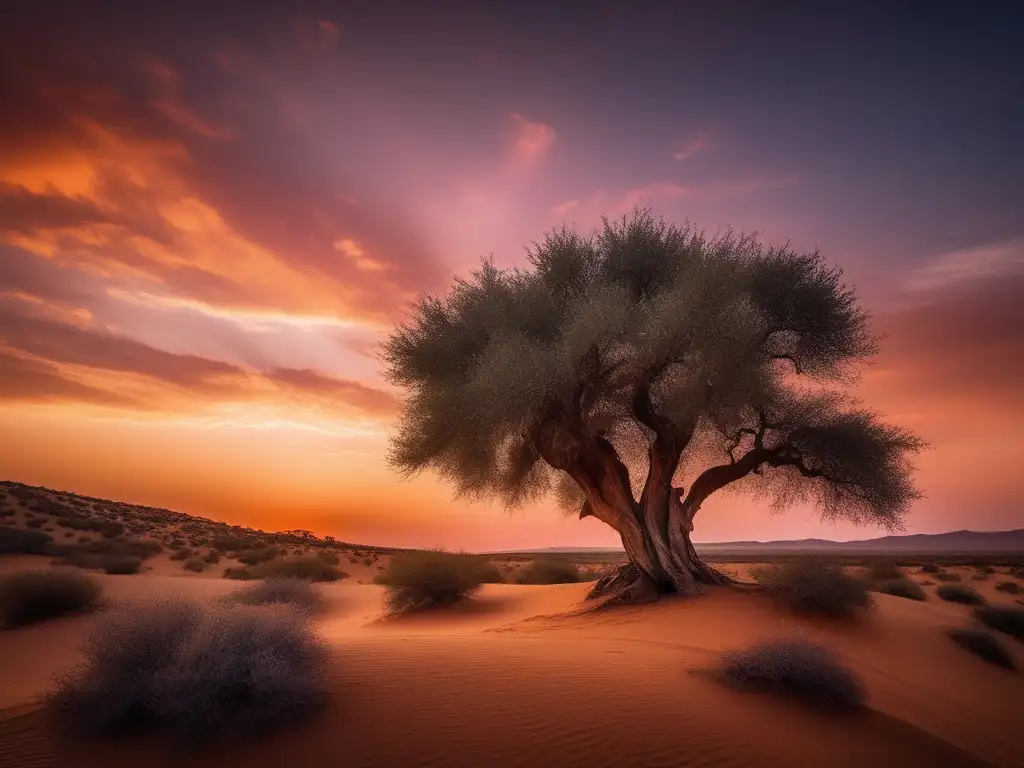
(519, 678)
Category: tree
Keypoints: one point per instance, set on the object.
(649, 357)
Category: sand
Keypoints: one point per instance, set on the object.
(518, 677)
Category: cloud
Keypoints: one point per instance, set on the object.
(532, 140)
(690, 149)
(32, 381)
(981, 262)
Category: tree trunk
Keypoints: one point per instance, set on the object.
(664, 561)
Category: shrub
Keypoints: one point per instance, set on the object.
(36, 522)
(985, 569)
(200, 673)
(328, 557)
(929, 568)
(17, 541)
(195, 564)
(213, 556)
(109, 529)
(297, 593)
(1010, 587)
(257, 556)
(121, 565)
(240, 574)
(957, 593)
(815, 587)
(489, 574)
(983, 644)
(901, 587)
(795, 667)
(30, 596)
(1002, 618)
(309, 568)
(547, 571)
(417, 580)
(945, 576)
(181, 553)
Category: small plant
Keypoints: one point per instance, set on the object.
(257, 556)
(546, 571)
(1010, 587)
(240, 574)
(17, 541)
(212, 557)
(329, 557)
(814, 586)
(1005, 619)
(900, 587)
(201, 673)
(307, 567)
(488, 573)
(417, 580)
(958, 593)
(947, 576)
(297, 593)
(195, 564)
(930, 568)
(795, 667)
(983, 644)
(30, 596)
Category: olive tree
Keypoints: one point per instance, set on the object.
(634, 372)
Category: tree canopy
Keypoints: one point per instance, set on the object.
(645, 359)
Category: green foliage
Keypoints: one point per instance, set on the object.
(900, 587)
(958, 593)
(429, 578)
(798, 668)
(548, 571)
(1002, 618)
(814, 586)
(984, 645)
(30, 596)
(516, 373)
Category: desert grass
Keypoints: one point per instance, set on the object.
(199, 673)
(299, 594)
(816, 587)
(1002, 618)
(28, 597)
(430, 578)
(306, 567)
(795, 667)
(959, 593)
(544, 571)
(983, 644)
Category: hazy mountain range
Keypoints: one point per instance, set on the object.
(952, 542)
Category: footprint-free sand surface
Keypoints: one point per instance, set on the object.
(518, 677)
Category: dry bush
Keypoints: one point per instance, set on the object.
(306, 567)
(1010, 587)
(329, 557)
(212, 557)
(198, 672)
(946, 576)
(489, 574)
(930, 568)
(21, 542)
(121, 565)
(195, 564)
(815, 587)
(181, 553)
(417, 580)
(30, 596)
(257, 556)
(797, 667)
(900, 587)
(883, 570)
(980, 577)
(983, 644)
(240, 574)
(1002, 618)
(297, 593)
(546, 571)
(958, 593)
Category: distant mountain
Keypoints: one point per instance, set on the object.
(951, 542)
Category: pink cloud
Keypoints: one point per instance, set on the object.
(532, 139)
(691, 149)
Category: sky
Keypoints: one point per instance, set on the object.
(209, 220)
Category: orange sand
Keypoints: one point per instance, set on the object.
(515, 678)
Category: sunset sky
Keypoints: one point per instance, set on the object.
(209, 220)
